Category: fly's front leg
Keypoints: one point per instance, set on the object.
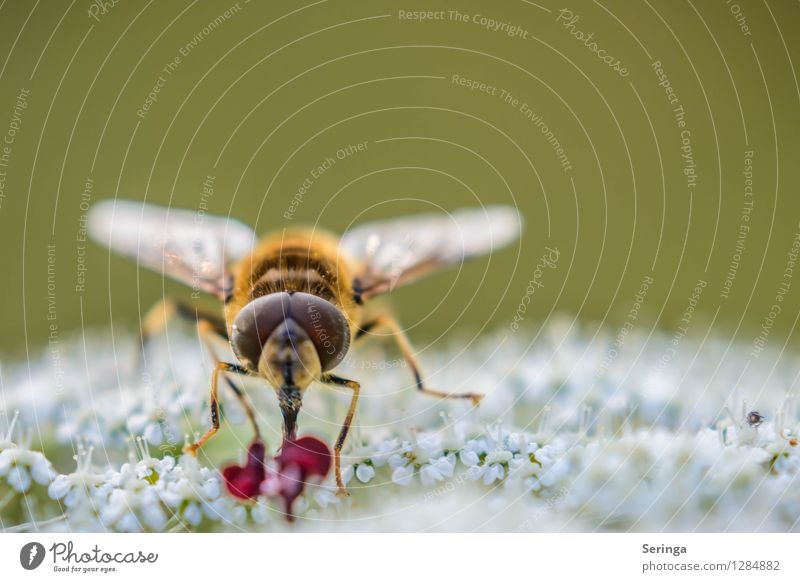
(220, 368)
(210, 333)
(390, 324)
(348, 420)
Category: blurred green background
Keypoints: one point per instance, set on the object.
(262, 92)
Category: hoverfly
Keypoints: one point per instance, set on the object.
(293, 301)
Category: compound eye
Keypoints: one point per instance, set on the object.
(255, 323)
(325, 325)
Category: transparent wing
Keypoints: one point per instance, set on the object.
(192, 247)
(396, 252)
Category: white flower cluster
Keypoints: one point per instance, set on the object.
(568, 438)
(20, 468)
(107, 403)
(144, 494)
(738, 476)
(723, 479)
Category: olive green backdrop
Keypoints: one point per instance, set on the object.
(148, 100)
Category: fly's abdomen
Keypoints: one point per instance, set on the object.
(295, 271)
(298, 262)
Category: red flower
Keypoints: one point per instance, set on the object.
(309, 454)
(245, 482)
(300, 461)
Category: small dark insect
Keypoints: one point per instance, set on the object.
(294, 301)
(754, 419)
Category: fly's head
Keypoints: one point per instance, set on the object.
(290, 338)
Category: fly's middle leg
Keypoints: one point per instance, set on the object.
(348, 420)
(157, 318)
(213, 403)
(391, 325)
